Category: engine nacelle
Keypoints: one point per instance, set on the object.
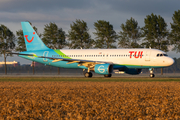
(133, 71)
(103, 69)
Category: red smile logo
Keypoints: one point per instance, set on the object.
(29, 41)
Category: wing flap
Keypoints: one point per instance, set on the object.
(72, 62)
(57, 60)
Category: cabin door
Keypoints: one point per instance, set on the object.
(45, 54)
(147, 55)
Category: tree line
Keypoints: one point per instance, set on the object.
(153, 34)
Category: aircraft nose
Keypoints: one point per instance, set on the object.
(170, 61)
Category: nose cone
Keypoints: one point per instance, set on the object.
(170, 61)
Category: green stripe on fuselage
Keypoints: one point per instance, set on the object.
(138, 66)
(62, 54)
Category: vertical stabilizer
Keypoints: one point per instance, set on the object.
(32, 40)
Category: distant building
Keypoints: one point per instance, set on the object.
(13, 63)
(26, 65)
(36, 64)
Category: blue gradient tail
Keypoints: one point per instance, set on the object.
(32, 40)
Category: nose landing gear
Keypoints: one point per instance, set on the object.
(151, 72)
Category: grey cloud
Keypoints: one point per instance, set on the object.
(144, 7)
(41, 5)
(66, 11)
(100, 9)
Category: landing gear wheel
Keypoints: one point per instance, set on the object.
(151, 75)
(151, 72)
(88, 74)
(109, 75)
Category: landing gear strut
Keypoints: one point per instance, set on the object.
(151, 73)
(108, 75)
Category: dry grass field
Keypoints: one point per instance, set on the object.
(89, 100)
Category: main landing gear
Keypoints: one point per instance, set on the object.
(88, 73)
(151, 72)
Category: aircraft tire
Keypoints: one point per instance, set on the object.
(88, 74)
(151, 75)
(108, 75)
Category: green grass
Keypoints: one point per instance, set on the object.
(95, 79)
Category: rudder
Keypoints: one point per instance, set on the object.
(32, 40)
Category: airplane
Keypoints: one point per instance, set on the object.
(100, 61)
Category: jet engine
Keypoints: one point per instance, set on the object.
(103, 69)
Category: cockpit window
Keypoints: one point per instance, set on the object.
(160, 55)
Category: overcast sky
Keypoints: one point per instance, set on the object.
(64, 12)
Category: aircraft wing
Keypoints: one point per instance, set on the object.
(86, 63)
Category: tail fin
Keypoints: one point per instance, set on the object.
(32, 40)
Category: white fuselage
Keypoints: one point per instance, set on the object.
(132, 57)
